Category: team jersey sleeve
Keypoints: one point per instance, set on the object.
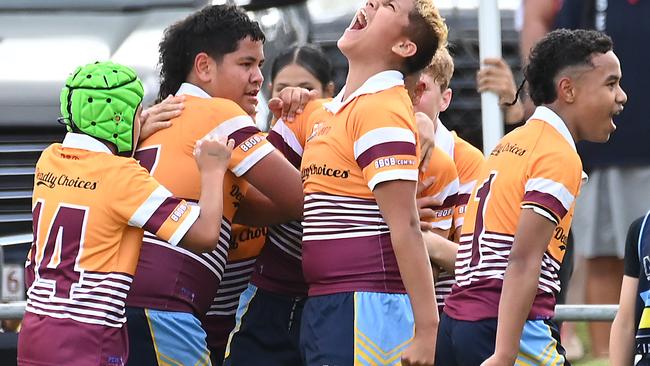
(290, 137)
(553, 183)
(251, 145)
(444, 189)
(142, 202)
(385, 142)
(632, 264)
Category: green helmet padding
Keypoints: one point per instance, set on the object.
(101, 100)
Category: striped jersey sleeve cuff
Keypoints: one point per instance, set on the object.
(184, 227)
(252, 159)
(396, 174)
(540, 210)
(288, 145)
(155, 200)
(551, 195)
(383, 142)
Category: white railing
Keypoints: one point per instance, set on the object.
(581, 312)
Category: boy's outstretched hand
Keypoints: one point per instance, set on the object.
(291, 102)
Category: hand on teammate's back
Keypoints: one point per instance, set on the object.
(159, 116)
(213, 153)
(291, 102)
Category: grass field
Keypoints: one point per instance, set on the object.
(582, 334)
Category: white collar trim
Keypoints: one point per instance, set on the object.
(376, 83)
(547, 115)
(80, 141)
(193, 90)
(444, 139)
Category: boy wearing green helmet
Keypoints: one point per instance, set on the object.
(89, 197)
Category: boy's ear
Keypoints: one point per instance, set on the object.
(446, 100)
(566, 89)
(405, 48)
(417, 92)
(203, 65)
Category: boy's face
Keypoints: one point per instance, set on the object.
(433, 99)
(598, 98)
(376, 28)
(238, 76)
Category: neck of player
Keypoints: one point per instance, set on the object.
(359, 72)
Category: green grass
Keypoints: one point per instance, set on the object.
(582, 331)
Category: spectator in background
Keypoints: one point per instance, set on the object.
(634, 301)
(620, 170)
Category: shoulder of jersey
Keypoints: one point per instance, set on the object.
(394, 99)
(213, 106)
(315, 105)
(441, 163)
(467, 148)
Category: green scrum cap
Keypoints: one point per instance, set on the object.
(101, 100)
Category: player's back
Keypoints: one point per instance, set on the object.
(80, 267)
(534, 167)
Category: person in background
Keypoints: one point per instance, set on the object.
(633, 316)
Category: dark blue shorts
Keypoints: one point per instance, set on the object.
(356, 328)
(266, 330)
(469, 343)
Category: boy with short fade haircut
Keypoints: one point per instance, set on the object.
(88, 191)
(518, 217)
(212, 58)
(370, 283)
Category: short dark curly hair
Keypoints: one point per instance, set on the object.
(215, 30)
(555, 52)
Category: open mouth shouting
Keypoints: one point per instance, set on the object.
(360, 21)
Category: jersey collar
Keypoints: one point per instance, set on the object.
(84, 142)
(193, 90)
(547, 115)
(376, 83)
(444, 139)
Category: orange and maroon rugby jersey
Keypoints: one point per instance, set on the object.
(370, 139)
(534, 167)
(172, 278)
(86, 203)
(279, 266)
